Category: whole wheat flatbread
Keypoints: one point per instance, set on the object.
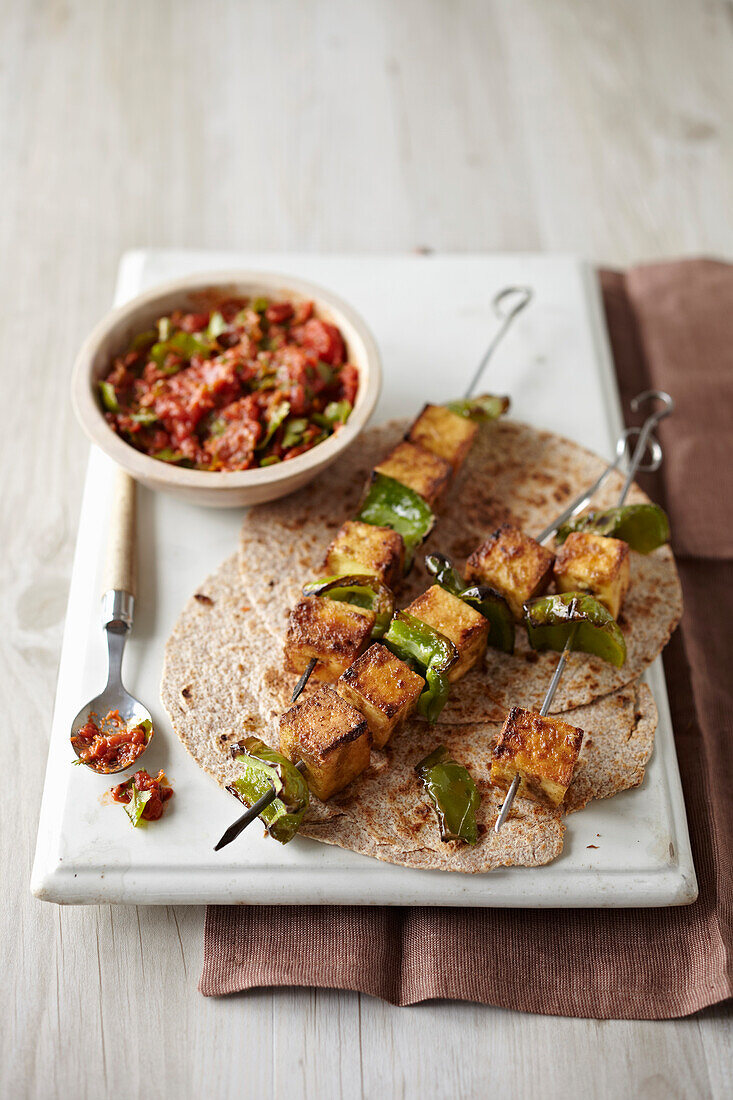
(513, 472)
(211, 689)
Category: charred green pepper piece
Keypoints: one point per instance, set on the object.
(362, 590)
(484, 407)
(429, 653)
(262, 769)
(643, 526)
(389, 503)
(486, 600)
(551, 619)
(453, 794)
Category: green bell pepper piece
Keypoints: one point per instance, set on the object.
(453, 793)
(362, 590)
(262, 769)
(493, 607)
(490, 603)
(643, 526)
(484, 407)
(389, 503)
(430, 652)
(551, 619)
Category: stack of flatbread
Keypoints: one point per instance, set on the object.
(223, 677)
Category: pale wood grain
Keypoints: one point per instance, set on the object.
(119, 566)
(602, 128)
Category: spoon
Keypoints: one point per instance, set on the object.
(117, 610)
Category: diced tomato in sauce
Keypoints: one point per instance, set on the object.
(108, 745)
(160, 792)
(244, 384)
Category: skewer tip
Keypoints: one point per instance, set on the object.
(507, 803)
(302, 682)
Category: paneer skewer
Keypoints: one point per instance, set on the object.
(536, 754)
(594, 553)
(404, 490)
(396, 514)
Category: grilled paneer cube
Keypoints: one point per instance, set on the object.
(458, 621)
(444, 433)
(544, 752)
(330, 736)
(363, 548)
(594, 563)
(426, 474)
(330, 630)
(383, 688)
(517, 566)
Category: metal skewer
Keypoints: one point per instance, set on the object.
(300, 686)
(645, 438)
(546, 704)
(622, 445)
(645, 432)
(249, 815)
(508, 304)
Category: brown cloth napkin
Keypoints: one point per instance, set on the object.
(671, 327)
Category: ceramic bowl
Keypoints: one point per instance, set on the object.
(239, 487)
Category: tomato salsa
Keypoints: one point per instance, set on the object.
(144, 796)
(108, 745)
(250, 383)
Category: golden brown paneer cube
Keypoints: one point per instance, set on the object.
(462, 624)
(330, 736)
(444, 433)
(594, 563)
(513, 563)
(363, 548)
(332, 631)
(426, 474)
(383, 688)
(544, 751)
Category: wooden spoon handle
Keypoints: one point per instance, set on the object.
(119, 570)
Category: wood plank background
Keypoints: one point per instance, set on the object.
(321, 125)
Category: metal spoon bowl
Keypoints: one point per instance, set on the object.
(117, 615)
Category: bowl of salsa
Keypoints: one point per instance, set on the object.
(228, 389)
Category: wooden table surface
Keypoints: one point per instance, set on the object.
(598, 128)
